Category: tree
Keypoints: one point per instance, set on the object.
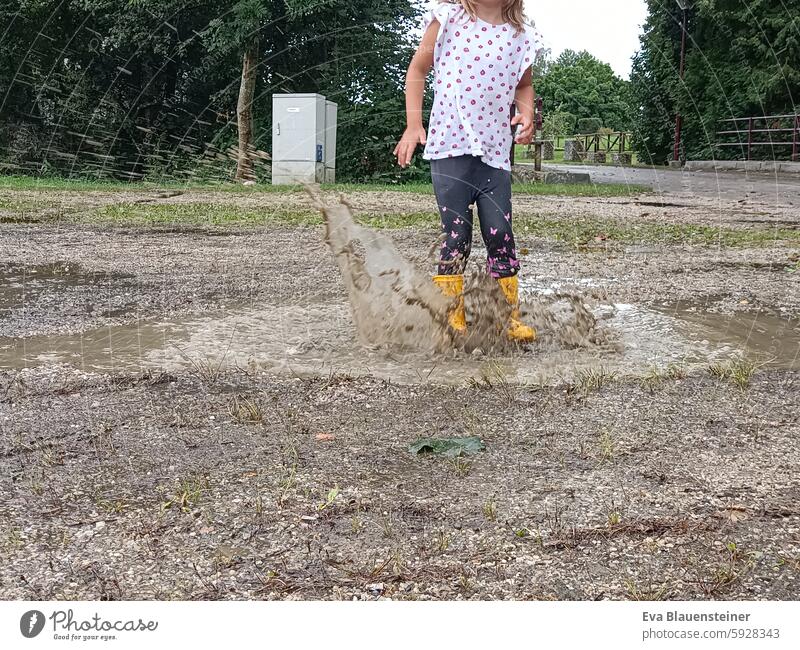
(157, 90)
(580, 84)
(743, 59)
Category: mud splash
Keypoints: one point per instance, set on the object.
(392, 303)
(397, 307)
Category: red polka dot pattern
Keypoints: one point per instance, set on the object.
(472, 100)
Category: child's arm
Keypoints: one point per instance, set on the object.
(418, 70)
(523, 98)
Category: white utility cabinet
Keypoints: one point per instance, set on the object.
(303, 139)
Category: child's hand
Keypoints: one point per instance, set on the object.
(408, 144)
(525, 130)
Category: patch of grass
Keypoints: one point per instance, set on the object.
(656, 376)
(441, 541)
(293, 427)
(718, 578)
(593, 379)
(579, 232)
(576, 232)
(738, 371)
(386, 522)
(220, 214)
(13, 538)
(495, 377)
(461, 466)
(607, 446)
(23, 205)
(52, 456)
(206, 369)
(204, 214)
(33, 183)
(588, 189)
(649, 593)
(329, 499)
(676, 371)
(245, 410)
(187, 493)
(790, 561)
(654, 379)
(490, 510)
(356, 524)
(87, 185)
(114, 506)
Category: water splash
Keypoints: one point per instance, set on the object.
(392, 302)
(395, 305)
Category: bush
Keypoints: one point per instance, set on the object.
(558, 123)
(589, 125)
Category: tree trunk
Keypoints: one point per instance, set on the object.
(244, 114)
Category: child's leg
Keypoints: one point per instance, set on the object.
(454, 195)
(494, 212)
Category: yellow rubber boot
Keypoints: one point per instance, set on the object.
(517, 330)
(452, 286)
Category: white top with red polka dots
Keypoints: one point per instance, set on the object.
(476, 68)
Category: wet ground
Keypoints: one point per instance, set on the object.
(177, 408)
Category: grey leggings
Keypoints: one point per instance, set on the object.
(459, 183)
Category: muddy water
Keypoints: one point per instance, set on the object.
(41, 297)
(393, 304)
(395, 327)
(20, 284)
(321, 339)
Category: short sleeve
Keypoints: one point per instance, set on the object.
(532, 50)
(441, 11)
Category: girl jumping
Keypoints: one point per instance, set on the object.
(481, 52)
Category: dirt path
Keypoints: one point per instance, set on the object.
(186, 415)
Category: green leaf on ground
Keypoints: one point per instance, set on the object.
(450, 447)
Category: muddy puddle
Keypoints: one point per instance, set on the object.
(394, 326)
(321, 339)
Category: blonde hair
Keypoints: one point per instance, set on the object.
(513, 11)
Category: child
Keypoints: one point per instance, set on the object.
(481, 52)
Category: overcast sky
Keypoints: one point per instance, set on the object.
(609, 29)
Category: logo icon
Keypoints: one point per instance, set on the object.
(31, 623)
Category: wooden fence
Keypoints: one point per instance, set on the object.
(618, 141)
(746, 133)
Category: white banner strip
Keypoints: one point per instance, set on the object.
(333, 625)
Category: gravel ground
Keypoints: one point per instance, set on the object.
(243, 484)
(148, 487)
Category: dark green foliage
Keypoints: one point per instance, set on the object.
(743, 58)
(589, 125)
(149, 89)
(580, 84)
